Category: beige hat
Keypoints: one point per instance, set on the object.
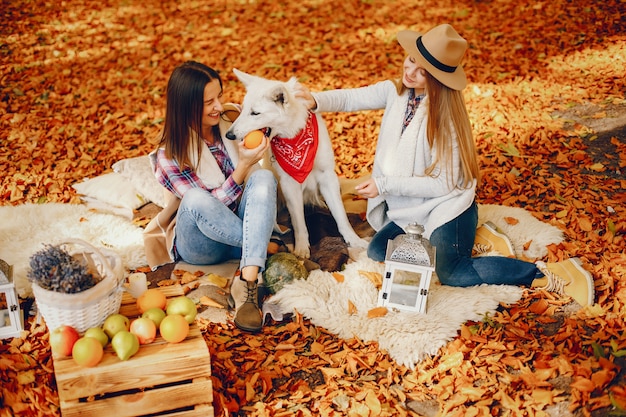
(439, 51)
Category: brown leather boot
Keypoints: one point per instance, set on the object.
(248, 316)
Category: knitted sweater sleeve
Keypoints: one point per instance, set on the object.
(371, 97)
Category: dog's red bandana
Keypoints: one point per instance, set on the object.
(296, 155)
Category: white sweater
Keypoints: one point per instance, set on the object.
(406, 194)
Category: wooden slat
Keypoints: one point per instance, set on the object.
(191, 394)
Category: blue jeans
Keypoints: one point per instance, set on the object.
(208, 232)
(454, 263)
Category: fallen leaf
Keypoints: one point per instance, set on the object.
(376, 312)
(205, 300)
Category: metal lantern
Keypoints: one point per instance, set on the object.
(11, 324)
(409, 265)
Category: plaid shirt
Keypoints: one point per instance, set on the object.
(169, 174)
(413, 104)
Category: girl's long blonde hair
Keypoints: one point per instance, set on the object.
(447, 117)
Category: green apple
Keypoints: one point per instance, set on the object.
(99, 334)
(155, 314)
(115, 323)
(184, 306)
(125, 344)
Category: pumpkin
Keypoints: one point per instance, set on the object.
(282, 268)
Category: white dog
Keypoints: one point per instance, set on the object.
(301, 153)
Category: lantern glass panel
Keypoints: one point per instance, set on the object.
(11, 321)
(405, 287)
(5, 316)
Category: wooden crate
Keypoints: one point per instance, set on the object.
(163, 378)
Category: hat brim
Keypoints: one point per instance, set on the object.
(455, 80)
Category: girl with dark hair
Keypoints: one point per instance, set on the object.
(221, 205)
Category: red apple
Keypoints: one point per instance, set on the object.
(144, 329)
(62, 340)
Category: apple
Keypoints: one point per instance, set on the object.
(115, 323)
(62, 340)
(155, 314)
(99, 334)
(184, 306)
(87, 351)
(144, 329)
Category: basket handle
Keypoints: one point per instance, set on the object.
(103, 259)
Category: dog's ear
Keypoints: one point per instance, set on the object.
(280, 96)
(245, 78)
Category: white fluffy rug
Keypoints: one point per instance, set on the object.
(410, 337)
(407, 337)
(24, 230)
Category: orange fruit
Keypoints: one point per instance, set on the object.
(151, 298)
(87, 351)
(174, 328)
(253, 139)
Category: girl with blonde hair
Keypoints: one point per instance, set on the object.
(426, 170)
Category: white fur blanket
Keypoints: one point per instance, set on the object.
(410, 337)
(24, 230)
(407, 337)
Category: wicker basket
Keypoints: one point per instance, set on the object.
(91, 307)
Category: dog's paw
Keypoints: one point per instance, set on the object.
(358, 243)
(302, 251)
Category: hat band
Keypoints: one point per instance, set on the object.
(431, 59)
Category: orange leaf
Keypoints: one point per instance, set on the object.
(338, 276)
(585, 224)
(511, 220)
(583, 385)
(377, 312)
(351, 308)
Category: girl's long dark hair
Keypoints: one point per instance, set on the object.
(183, 111)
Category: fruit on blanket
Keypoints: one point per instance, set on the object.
(253, 139)
(144, 329)
(155, 314)
(125, 344)
(115, 323)
(282, 268)
(62, 340)
(87, 351)
(99, 334)
(174, 328)
(184, 306)
(151, 298)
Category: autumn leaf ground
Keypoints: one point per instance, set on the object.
(82, 86)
